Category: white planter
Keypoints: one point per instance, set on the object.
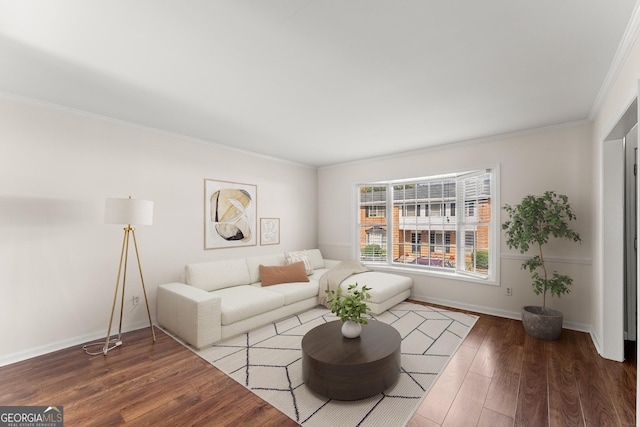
(351, 329)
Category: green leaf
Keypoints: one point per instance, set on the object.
(350, 305)
(531, 224)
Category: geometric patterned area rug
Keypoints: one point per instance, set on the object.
(268, 362)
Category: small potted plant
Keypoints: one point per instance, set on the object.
(531, 223)
(350, 307)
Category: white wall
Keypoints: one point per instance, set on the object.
(559, 160)
(58, 260)
(621, 93)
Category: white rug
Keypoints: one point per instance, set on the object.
(268, 361)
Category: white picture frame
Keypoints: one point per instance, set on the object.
(230, 210)
(269, 231)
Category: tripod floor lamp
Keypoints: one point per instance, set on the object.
(127, 212)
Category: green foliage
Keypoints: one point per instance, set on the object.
(531, 223)
(373, 250)
(481, 259)
(371, 189)
(404, 186)
(350, 305)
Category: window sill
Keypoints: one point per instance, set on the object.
(421, 271)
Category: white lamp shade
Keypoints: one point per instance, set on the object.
(128, 211)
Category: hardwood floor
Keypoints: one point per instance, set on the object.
(498, 377)
(502, 377)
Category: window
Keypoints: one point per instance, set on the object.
(476, 196)
(424, 230)
(376, 211)
(373, 224)
(435, 239)
(415, 242)
(377, 236)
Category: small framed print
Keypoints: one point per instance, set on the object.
(269, 231)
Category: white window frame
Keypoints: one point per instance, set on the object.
(492, 278)
(472, 221)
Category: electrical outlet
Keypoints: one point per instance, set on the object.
(135, 300)
(509, 292)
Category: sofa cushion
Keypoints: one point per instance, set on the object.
(294, 292)
(293, 257)
(253, 263)
(217, 274)
(272, 275)
(316, 259)
(241, 302)
(383, 285)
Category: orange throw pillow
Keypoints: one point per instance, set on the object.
(272, 275)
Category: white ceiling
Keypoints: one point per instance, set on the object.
(317, 82)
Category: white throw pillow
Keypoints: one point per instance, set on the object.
(293, 257)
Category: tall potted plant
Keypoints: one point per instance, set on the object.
(351, 307)
(530, 225)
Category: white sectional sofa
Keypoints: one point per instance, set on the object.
(221, 299)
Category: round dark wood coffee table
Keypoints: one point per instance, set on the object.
(351, 368)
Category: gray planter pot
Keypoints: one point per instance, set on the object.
(542, 324)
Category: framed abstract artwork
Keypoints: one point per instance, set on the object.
(229, 214)
(269, 231)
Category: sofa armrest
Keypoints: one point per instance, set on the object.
(192, 314)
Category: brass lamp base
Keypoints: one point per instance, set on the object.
(124, 254)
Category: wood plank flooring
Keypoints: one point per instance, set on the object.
(502, 377)
(498, 377)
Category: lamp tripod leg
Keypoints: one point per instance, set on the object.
(144, 290)
(105, 348)
(128, 230)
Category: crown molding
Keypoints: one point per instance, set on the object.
(462, 143)
(622, 53)
(96, 116)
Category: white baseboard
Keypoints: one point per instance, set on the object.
(516, 315)
(596, 342)
(60, 345)
(84, 339)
